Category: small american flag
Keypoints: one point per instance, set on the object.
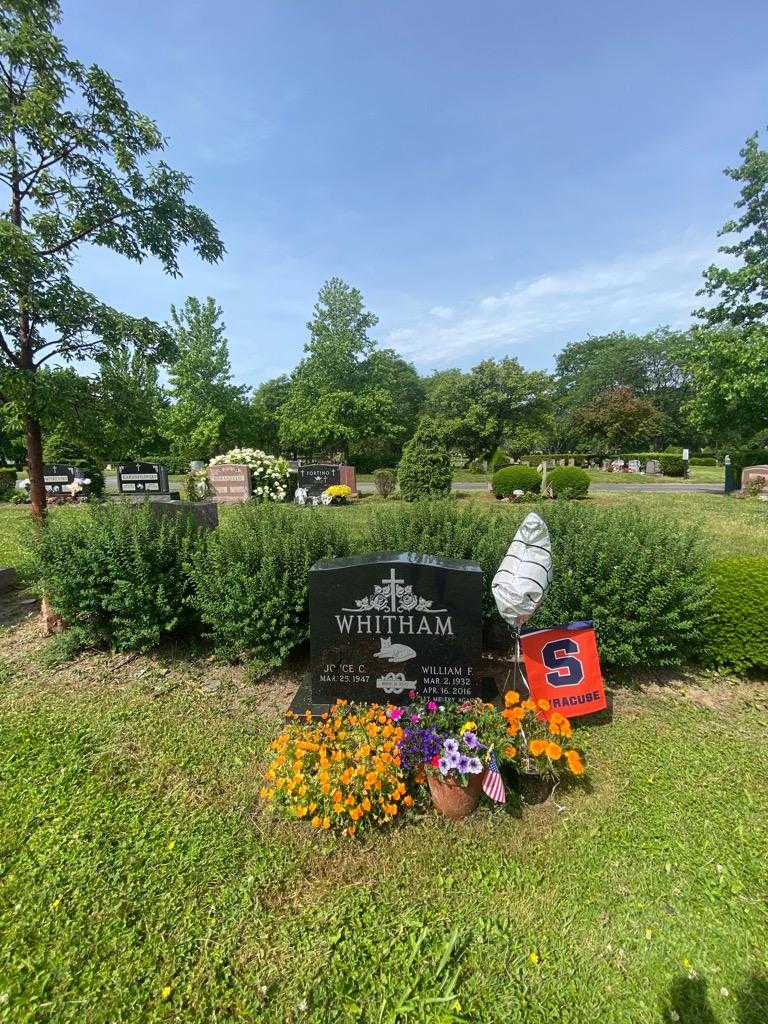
(493, 784)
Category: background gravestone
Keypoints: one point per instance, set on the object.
(383, 625)
(750, 473)
(57, 477)
(142, 478)
(230, 483)
(316, 476)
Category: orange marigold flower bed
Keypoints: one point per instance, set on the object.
(340, 772)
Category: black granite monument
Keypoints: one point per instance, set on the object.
(142, 478)
(385, 625)
(316, 476)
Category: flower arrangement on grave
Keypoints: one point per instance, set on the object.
(197, 486)
(269, 474)
(339, 494)
(457, 744)
(341, 771)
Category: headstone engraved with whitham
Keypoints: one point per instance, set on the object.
(230, 483)
(142, 478)
(384, 625)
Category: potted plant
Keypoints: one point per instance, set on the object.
(337, 494)
(544, 742)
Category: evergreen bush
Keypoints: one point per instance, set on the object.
(568, 482)
(737, 636)
(515, 478)
(385, 481)
(7, 484)
(251, 580)
(425, 469)
(672, 465)
(117, 574)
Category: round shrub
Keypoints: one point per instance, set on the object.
(385, 481)
(117, 573)
(672, 465)
(425, 469)
(737, 636)
(251, 580)
(568, 482)
(516, 478)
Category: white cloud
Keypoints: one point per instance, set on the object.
(632, 293)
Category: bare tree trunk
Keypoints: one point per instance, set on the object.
(35, 463)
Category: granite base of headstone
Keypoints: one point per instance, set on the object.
(387, 625)
(204, 513)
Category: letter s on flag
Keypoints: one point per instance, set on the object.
(562, 666)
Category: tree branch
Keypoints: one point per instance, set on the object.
(80, 235)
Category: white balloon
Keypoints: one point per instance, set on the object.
(525, 571)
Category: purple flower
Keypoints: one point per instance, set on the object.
(463, 765)
(443, 765)
(415, 718)
(453, 757)
(395, 714)
(471, 741)
(475, 766)
(431, 705)
(451, 746)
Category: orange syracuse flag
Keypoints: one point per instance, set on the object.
(563, 667)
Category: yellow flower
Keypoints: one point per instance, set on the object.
(534, 957)
(468, 727)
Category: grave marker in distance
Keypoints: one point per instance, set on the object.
(385, 624)
(142, 478)
(230, 483)
(750, 473)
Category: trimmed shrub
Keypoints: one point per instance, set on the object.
(515, 478)
(117, 574)
(642, 578)
(499, 461)
(672, 465)
(737, 636)
(425, 469)
(385, 481)
(568, 482)
(703, 460)
(7, 484)
(251, 580)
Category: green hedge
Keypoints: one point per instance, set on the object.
(641, 577)
(515, 478)
(568, 482)
(672, 465)
(737, 637)
(703, 460)
(251, 580)
(117, 573)
(7, 483)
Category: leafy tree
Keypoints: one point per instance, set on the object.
(344, 396)
(132, 404)
(267, 402)
(743, 290)
(208, 411)
(73, 157)
(620, 420)
(479, 407)
(651, 366)
(729, 370)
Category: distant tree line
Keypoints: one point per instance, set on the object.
(74, 162)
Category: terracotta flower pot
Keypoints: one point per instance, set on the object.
(453, 800)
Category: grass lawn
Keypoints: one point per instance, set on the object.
(142, 881)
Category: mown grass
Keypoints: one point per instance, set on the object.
(142, 881)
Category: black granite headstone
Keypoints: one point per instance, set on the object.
(315, 477)
(57, 477)
(386, 624)
(142, 478)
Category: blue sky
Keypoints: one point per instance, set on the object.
(498, 178)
